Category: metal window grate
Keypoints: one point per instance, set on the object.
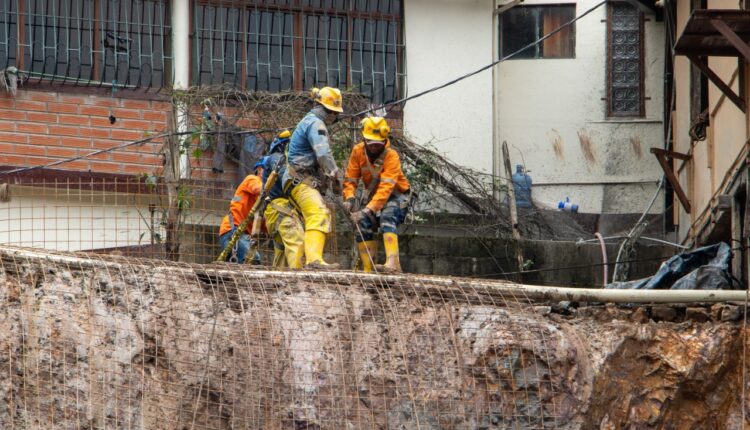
(88, 42)
(625, 60)
(286, 45)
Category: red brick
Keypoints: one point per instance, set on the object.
(136, 169)
(45, 140)
(74, 119)
(62, 107)
(130, 135)
(37, 96)
(55, 151)
(31, 150)
(94, 132)
(127, 113)
(63, 130)
(100, 122)
(156, 116)
(76, 142)
(12, 114)
(29, 105)
(7, 126)
(6, 148)
(104, 156)
(133, 124)
(7, 103)
(136, 104)
(98, 166)
(103, 144)
(30, 127)
(20, 160)
(94, 110)
(64, 98)
(162, 106)
(49, 118)
(76, 165)
(14, 137)
(107, 102)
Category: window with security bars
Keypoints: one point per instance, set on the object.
(522, 25)
(88, 42)
(625, 95)
(297, 44)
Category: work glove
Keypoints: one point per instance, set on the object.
(349, 205)
(358, 216)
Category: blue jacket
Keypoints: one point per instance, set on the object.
(309, 151)
(268, 163)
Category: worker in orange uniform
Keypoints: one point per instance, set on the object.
(387, 192)
(242, 202)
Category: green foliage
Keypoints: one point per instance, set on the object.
(527, 264)
(183, 198)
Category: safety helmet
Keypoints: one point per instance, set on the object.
(279, 142)
(328, 97)
(375, 128)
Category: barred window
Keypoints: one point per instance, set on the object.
(625, 88)
(298, 44)
(88, 41)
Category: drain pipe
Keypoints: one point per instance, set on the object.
(605, 264)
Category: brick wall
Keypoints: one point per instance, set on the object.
(38, 127)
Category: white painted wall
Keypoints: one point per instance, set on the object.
(446, 39)
(543, 100)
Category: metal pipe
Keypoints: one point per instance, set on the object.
(416, 282)
(605, 266)
(181, 59)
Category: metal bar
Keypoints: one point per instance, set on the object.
(673, 181)
(706, 70)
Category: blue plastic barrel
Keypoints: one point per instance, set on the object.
(522, 187)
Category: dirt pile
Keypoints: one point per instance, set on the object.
(149, 345)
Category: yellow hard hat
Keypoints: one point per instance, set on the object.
(284, 134)
(375, 128)
(328, 97)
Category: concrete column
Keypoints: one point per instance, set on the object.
(181, 61)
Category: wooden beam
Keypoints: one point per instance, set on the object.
(703, 66)
(512, 206)
(671, 154)
(732, 37)
(662, 158)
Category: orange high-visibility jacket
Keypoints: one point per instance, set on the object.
(244, 199)
(387, 167)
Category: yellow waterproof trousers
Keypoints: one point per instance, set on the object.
(313, 208)
(288, 233)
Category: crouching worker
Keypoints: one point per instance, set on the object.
(311, 168)
(386, 190)
(283, 221)
(239, 208)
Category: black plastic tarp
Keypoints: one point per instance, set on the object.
(706, 268)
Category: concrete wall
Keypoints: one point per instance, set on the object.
(445, 39)
(552, 111)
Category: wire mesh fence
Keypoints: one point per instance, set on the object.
(102, 341)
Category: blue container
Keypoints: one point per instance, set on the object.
(522, 187)
(566, 205)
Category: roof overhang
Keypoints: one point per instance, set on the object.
(648, 6)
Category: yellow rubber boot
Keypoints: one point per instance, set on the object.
(315, 241)
(392, 262)
(368, 251)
